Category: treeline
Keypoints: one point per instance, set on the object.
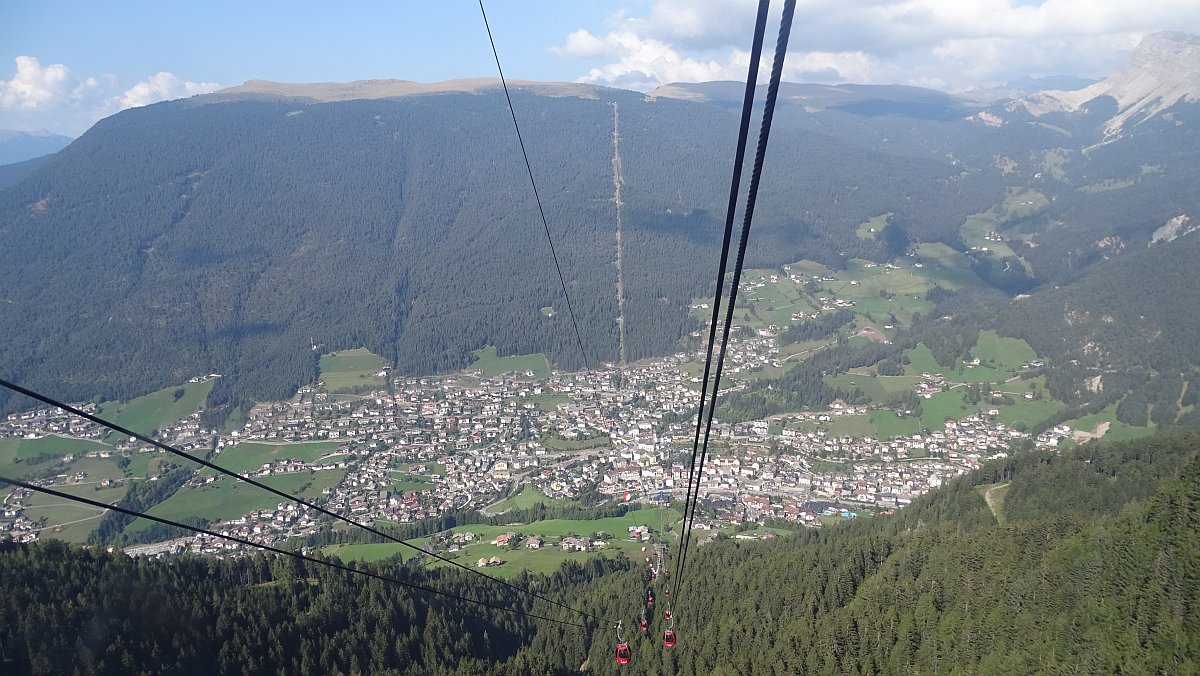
(71, 610)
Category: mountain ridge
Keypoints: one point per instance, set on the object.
(20, 146)
(1164, 70)
(327, 92)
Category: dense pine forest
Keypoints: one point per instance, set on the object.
(1086, 561)
(233, 236)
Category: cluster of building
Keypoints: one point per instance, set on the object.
(427, 446)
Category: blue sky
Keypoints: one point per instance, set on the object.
(65, 64)
(230, 42)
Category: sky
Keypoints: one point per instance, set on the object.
(64, 65)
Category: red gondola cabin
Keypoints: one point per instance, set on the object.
(623, 653)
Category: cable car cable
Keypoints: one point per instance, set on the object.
(297, 555)
(536, 195)
(258, 484)
(785, 27)
(760, 26)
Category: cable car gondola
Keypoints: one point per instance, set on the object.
(623, 654)
(669, 638)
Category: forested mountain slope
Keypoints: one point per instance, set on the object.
(230, 235)
(1128, 325)
(1086, 562)
(1089, 564)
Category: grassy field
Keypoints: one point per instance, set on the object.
(352, 370)
(493, 365)
(762, 530)
(946, 267)
(881, 294)
(921, 360)
(561, 444)
(71, 521)
(774, 302)
(229, 499)
(13, 449)
(1029, 411)
(144, 464)
(1001, 352)
(802, 349)
(888, 424)
(943, 406)
(250, 455)
(18, 456)
(1117, 430)
(550, 401)
(528, 497)
(410, 482)
(156, 410)
(544, 560)
(871, 229)
(851, 426)
(1002, 359)
(1017, 205)
(878, 388)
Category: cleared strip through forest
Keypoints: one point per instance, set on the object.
(617, 181)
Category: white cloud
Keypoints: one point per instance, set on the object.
(955, 43)
(163, 86)
(52, 97)
(647, 60)
(34, 86)
(583, 43)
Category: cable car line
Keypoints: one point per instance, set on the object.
(258, 484)
(703, 425)
(785, 27)
(536, 195)
(760, 27)
(297, 555)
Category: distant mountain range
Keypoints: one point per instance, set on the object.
(229, 232)
(18, 146)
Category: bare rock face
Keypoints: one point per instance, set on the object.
(1164, 70)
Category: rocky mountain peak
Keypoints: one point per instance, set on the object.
(1164, 69)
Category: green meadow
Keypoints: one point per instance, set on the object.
(547, 559)
(250, 455)
(493, 365)
(352, 371)
(156, 410)
(228, 498)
